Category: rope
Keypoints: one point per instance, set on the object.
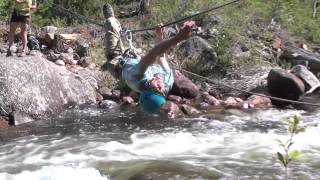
(185, 18)
(248, 92)
(86, 19)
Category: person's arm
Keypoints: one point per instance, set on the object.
(160, 35)
(165, 45)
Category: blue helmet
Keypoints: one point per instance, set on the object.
(151, 101)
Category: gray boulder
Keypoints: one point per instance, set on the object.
(197, 55)
(284, 84)
(39, 88)
(311, 82)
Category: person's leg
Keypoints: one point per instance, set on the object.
(13, 27)
(113, 43)
(24, 38)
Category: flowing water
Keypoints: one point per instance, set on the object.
(99, 145)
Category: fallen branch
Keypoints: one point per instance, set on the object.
(315, 4)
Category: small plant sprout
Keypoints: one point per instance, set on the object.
(288, 154)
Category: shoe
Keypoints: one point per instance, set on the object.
(9, 53)
(108, 11)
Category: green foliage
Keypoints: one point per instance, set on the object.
(289, 155)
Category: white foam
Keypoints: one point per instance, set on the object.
(56, 173)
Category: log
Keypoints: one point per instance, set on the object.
(298, 56)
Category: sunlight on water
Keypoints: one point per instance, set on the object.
(241, 146)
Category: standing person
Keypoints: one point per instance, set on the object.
(144, 75)
(21, 16)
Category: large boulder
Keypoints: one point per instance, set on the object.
(37, 87)
(197, 55)
(311, 82)
(183, 86)
(284, 84)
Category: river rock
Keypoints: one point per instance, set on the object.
(232, 102)
(108, 104)
(197, 55)
(39, 88)
(83, 48)
(311, 82)
(284, 84)
(210, 100)
(3, 123)
(171, 110)
(189, 110)
(183, 86)
(173, 98)
(255, 101)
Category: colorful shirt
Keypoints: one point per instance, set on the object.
(23, 8)
(131, 74)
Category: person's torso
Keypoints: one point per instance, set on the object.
(23, 9)
(137, 81)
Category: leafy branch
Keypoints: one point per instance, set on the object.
(289, 155)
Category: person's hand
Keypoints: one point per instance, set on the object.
(160, 32)
(20, 1)
(186, 30)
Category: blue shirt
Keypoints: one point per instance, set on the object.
(137, 81)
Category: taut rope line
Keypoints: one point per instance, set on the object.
(248, 92)
(84, 18)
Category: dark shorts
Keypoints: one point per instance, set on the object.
(19, 19)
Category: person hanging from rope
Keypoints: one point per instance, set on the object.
(21, 16)
(149, 75)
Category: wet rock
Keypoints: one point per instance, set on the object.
(67, 58)
(210, 100)
(105, 92)
(39, 88)
(183, 86)
(116, 94)
(190, 111)
(3, 123)
(232, 102)
(171, 110)
(255, 101)
(108, 104)
(285, 85)
(99, 97)
(51, 56)
(173, 98)
(311, 82)
(197, 55)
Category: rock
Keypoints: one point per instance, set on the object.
(33, 43)
(128, 100)
(83, 48)
(301, 56)
(285, 85)
(171, 110)
(232, 102)
(210, 100)
(67, 58)
(3, 123)
(108, 104)
(183, 86)
(190, 111)
(85, 61)
(311, 82)
(60, 62)
(197, 55)
(255, 101)
(39, 88)
(173, 98)
(105, 92)
(99, 97)
(21, 118)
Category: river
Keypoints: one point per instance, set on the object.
(118, 145)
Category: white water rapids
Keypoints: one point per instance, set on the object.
(89, 144)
